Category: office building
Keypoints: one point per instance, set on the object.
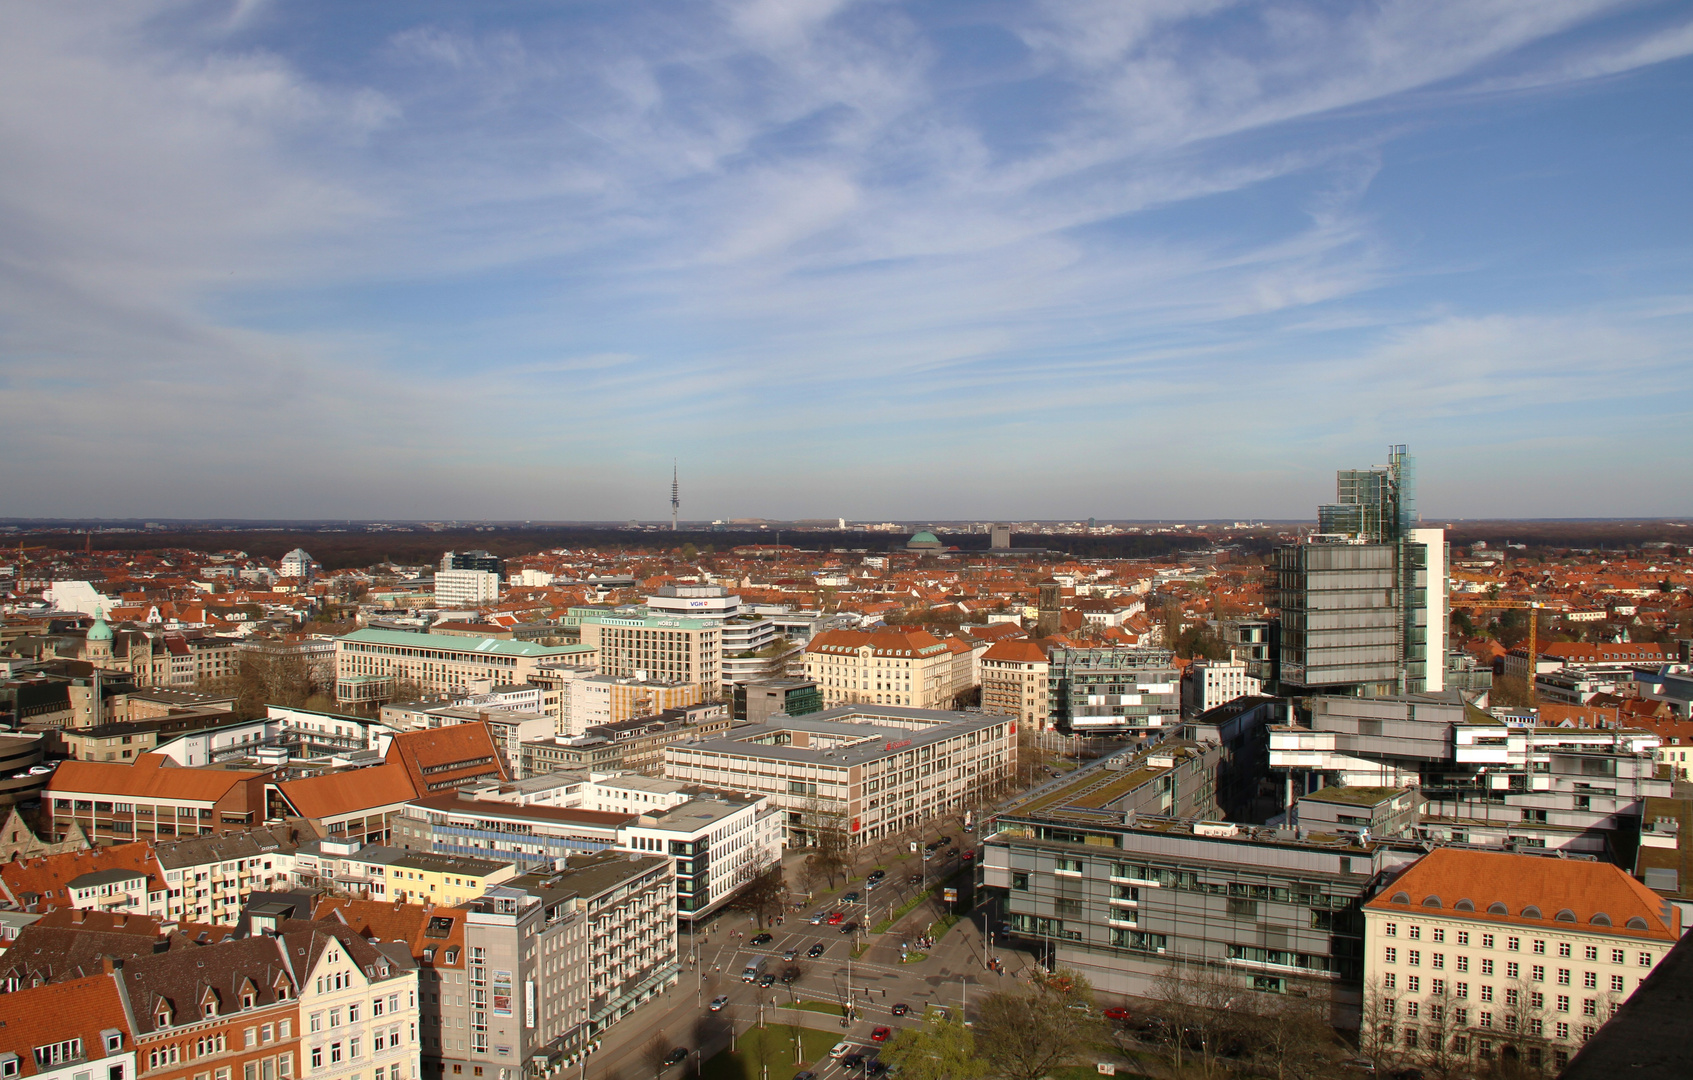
(1210, 683)
(633, 642)
(1362, 603)
(764, 698)
(473, 560)
(871, 771)
(1505, 959)
(370, 664)
(466, 588)
(1123, 874)
(1133, 690)
(1014, 682)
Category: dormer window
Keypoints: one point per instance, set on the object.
(161, 1018)
(114, 1040)
(9, 1066)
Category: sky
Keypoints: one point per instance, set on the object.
(1043, 259)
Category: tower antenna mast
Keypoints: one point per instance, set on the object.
(675, 495)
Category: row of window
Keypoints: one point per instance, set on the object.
(1513, 943)
(1513, 970)
(1513, 999)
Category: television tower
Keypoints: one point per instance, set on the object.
(675, 496)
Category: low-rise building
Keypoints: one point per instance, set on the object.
(68, 1030)
(370, 664)
(1497, 957)
(911, 668)
(151, 799)
(1210, 683)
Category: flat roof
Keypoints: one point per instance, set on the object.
(1354, 796)
(869, 741)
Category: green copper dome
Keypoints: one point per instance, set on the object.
(923, 540)
(99, 631)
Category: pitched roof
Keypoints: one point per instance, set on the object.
(417, 926)
(1016, 651)
(333, 794)
(181, 978)
(148, 778)
(1581, 891)
(49, 876)
(438, 758)
(77, 1009)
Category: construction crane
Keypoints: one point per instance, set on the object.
(1533, 607)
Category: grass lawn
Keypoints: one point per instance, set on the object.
(1088, 1072)
(771, 1046)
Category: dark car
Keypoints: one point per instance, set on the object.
(852, 1062)
(849, 928)
(941, 841)
(901, 1009)
(760, 939)
(850, 898)
(790, 975)
(952, 853)
(816, 950)
(914, 879)
(676, 1056)
(876, 875)
(875, 1068)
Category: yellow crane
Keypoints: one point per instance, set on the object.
(1533, 608)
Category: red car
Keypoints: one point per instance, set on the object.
(1120, 1015)
(835, 919)
(880, 1035)
(968, 855)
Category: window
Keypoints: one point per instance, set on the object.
(376, 1007)
(1618, 956)
(1413, 984)
(1645, 959)
(1486, 992)
(60, 1052)
(1392, 955)
(1590, 952)
(1439, 933)
(1513, 971)
(1390, 929)
(1020, 882)
(1536, 1000)
(353, 1047)
(1486, 966)
(1462, 962)
(1416, 933)
(1590, 980)
(1487, 941)
(315, 1023)
(1538, 973)
(1437, 960)
(1437, 987)
(1461, 990)
(317, 1057)
(335, 1053)
(1563, 1003)
(1563, 948)
(1463, 937)
(1540, 946)
(1616, 983)
(334, 1018)
(1067, 866)
(1390, 981)
(1513, 944)
(1589, 1007)
(1414, 957)
(1485, 1019)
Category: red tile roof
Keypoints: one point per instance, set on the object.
(439, 758)
(1442, 879)
(148, 778)
(1016, 651)
(47, 876)
(44, 1015)
(329, 795)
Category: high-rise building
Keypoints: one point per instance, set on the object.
(1363, 601)
(474, 560)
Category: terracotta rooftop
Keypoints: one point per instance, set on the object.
(332, 794)
(148, 778)
(57, 1012)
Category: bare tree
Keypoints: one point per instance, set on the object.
(1025, 1036)
(764, 894)
(826, 832)
(654, 1052)
(1290, 1033)
(1199, 1005)
(1377, 1025)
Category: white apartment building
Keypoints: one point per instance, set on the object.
(717, 842)
(876, 771)
(1494, 956)
(208, 878)
(1211, 683)
(466, 588)
(358, 1007)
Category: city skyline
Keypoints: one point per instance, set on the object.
(919, 262)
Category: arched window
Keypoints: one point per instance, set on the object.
(1564, 915)
(1431, 901)
(1466, 904)
(1600, 919)
(1635, 922)
(1532, 912)
(1497, 908)
(1400, 898)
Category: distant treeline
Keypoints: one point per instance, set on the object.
(346, 550)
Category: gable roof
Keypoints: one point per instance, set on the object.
(441, 758)
(417, 927)
(77, 1009)
(49, 876)
(333, 794)
(180, 978)
(1523, 883)
(148, 778)
(1016, 651)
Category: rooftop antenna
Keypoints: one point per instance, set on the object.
(675, 495)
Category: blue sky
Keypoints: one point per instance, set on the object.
(1175, 258)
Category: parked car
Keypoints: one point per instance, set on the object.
(677, 1056)
(880, 1035)
(760, 939)
(875, 1068)
(942, 841)
(952, 853)
(901, 1008)
(788, 956)
(840, 1050)
(767, 979)
(852, 1062)
(877, 875)
(816, 950)
(718, 1002)
(1119, 1014)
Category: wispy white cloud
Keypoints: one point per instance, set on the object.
(227, 242)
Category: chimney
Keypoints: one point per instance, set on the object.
(78, 916)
